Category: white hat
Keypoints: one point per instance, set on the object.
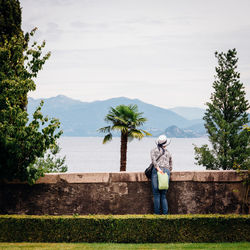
(162, 139)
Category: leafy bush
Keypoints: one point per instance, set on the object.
(51, 163)
(125, 228)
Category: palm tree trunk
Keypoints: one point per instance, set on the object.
(124, 142)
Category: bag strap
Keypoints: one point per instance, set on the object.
(160, 155)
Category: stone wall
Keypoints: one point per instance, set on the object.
(123, 193)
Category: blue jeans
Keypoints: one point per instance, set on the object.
(160, 200)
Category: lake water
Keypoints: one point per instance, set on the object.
(88, 154)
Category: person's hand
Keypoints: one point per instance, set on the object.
(160, 171)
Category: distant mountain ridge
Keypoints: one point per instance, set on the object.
(174, 131)
(189, 113)
(85, 118)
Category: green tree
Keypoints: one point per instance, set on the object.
(126, 120)
(15, 45)
(225, 118)
(10, 19)
(19, 65)
(51, 163)
(22, 140)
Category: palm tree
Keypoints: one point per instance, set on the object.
(125, 119)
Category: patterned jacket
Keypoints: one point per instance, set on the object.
(164, 162)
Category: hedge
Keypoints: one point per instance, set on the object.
(125, 228)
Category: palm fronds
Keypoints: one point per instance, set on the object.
(127, 120)
(146, 133)
(104, 129)
(107, 138)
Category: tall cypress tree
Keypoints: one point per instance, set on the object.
(12, 34)
(10, 19)
(225, 118)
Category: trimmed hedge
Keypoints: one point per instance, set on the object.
(125, 228)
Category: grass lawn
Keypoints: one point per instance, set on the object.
(240, 245)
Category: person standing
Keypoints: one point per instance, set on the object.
(162, 160)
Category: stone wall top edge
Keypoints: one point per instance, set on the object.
(101, 177)
(127, 172)
(199, 176)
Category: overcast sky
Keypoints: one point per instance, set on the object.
(159, 51)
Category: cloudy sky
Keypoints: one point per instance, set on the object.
(159, 51)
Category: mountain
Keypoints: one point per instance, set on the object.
(197, 128)
(84, 118)
(174, 131)
(189, 113)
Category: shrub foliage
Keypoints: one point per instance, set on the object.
(126, 228)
